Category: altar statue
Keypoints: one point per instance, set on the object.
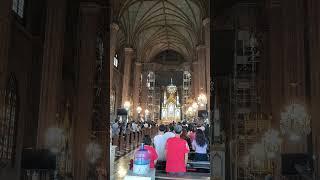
(170, 107)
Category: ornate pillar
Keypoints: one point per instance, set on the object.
(144, 90)
(201, 54)
(89, 16)
(51, 68)
(127, 74)
(195, 79)
(206, 24)
(5, 26)
(136, 87)
(294, 76)
(276, 62)
(314, 44)
(113, 44)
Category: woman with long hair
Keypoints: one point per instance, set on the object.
(191, 132)
(152, 151)
(184, 135)
(199, 145)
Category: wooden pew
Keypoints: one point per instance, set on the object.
(127, 142)
(122, 145)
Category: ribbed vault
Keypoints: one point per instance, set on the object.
(152, 26)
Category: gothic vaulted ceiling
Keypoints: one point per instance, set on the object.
(152, 26)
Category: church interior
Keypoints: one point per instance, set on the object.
(84, 83)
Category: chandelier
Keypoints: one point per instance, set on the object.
(94, 152)
(171, 88)
(272, 142)
(139, 109)
(202, 100)
(190, 112)
(55, 139)
(295, 122)
(127, 105)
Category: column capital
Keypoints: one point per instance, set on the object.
(128, 50)
(138, 63)
(201, 46)
(89, 7)
(206, 21)
(114, 26)
(195, 62)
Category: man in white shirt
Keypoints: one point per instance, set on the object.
(134, 126)
(159, 142)
(170, 133)
(115, 128)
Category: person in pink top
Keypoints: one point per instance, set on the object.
(153, 154)
(177, 150)
(192, 134)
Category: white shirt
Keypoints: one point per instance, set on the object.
(168, 135)
(159, 142)
(115, 129)
(199, 149)
(134, 127)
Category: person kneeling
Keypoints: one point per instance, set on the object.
(199, 145)
(153, 154)
(177, 150)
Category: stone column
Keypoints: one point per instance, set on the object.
(89, 16)
(294, 60)
(206, 24)
(113, 43)
(314, 44)
(136, 87)
(276, 63)
(126, 74)
(201, 54)
(51, 68)
(5, 31)
(144, 92)
(195, 79)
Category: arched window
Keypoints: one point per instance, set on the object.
(18, 7)
(8, 122)
(116, 61)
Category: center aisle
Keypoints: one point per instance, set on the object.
(126, 147)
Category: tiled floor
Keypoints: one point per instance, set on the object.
(121, 166)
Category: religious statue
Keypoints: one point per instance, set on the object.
(170, 108)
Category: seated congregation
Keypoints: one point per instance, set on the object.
(178, 148)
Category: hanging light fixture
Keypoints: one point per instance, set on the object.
(202, 99)
(295, 122)
(190, 111)
(127, 105)
(272, 142)
(195, 106)
(54, 139)
(139, 109)
(94, 152)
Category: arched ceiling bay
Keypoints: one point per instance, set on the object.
(152, 26)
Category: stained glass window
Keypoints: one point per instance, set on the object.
(18, 7)
(8, 122)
